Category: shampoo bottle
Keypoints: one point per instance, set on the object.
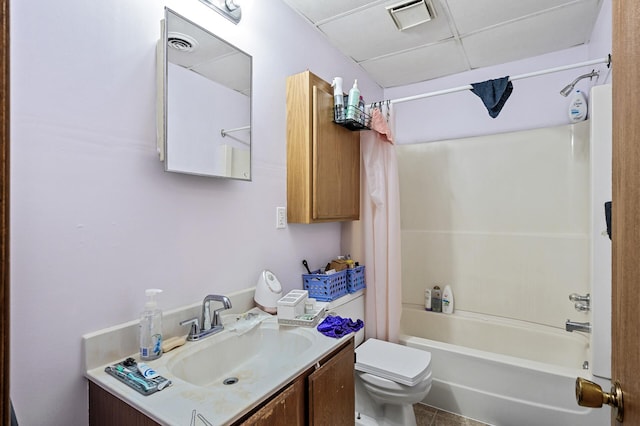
(578, 107)
(427, 299)
(436, 299)
(352, 102)
(447, 300)
(151, 328)
(338, 99)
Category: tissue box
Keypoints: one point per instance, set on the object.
(292, 305)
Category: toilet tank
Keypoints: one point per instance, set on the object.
(350, 306)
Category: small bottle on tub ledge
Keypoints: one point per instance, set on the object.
(427, 300)
(436, 299)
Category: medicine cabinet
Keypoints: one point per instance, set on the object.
(204, 102)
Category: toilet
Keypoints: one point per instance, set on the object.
(389, 377)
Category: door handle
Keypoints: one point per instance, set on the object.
(589, 394)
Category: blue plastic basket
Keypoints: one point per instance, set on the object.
(355, 279)
(325, 287)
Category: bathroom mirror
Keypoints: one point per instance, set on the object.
(204, 102)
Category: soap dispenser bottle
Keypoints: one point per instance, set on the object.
(151, 327)
(352, 102)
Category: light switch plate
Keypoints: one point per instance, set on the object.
(281, 217)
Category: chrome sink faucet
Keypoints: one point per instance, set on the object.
(215, 319)
(204, 327)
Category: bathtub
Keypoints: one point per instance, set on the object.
(503, 372)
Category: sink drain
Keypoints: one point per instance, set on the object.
(230, 381)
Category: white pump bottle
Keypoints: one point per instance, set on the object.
(338, 99)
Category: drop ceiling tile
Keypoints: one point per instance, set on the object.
(472, 15)
(317, 11)
(219, 70)
(370, 32)
(530, 37)
(421, 64)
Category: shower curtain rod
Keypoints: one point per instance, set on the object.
(606, 60)
(224, 132)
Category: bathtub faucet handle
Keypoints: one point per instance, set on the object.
(575, 297)
(581, 303)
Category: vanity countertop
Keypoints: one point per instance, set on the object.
(219, 404)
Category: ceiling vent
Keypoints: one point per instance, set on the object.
(181, 42)
(408, 14)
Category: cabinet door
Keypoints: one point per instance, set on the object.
(107, 410)
(286, 409)
(336, 163)
(332, 391)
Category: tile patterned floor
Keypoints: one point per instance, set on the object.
(429, 416)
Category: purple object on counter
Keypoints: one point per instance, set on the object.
(335, 326)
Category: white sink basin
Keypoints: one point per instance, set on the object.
(257, 355)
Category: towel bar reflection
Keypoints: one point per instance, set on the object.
(224, 132)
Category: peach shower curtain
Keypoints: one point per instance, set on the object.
(378, 230)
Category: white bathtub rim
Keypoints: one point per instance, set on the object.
(510, 322)
(496, 358)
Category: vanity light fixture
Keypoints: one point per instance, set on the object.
(408, 14)
(230, 9)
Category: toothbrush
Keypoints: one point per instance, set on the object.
(131, 376)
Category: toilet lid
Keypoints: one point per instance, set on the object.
(399, 363)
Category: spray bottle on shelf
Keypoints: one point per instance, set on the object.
(352, 102)
(338, 99)
(151, 327)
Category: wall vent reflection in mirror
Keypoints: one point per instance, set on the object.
(181, 42)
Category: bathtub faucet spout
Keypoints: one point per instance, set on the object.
(571, 326)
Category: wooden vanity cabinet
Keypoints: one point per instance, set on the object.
(332, 391)
(107, 410)
(324, 394)
(323, 158)
(286, 408)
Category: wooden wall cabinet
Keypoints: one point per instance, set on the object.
(323, 158)
(323, 395)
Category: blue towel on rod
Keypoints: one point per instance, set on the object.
(494, 93)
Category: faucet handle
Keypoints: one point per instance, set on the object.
(575, 297)
(195, 326)
(216, 320)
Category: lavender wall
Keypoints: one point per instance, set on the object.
(96, 220)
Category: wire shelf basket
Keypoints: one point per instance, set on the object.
(354, 118)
